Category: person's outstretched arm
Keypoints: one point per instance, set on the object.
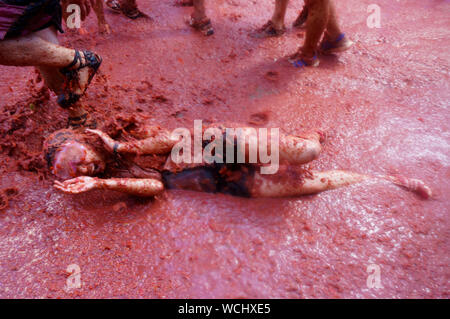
(133, 186)
(160, 143)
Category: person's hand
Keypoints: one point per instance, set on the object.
(85, 7)
(77, 185)
(109, 142)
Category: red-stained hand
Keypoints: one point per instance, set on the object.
(109, 142)
(77, 185)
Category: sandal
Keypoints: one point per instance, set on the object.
(269, 30)
(134, 13)
(93, 62)
(77, 121)
(342, 43)
(300, 61)
(113, 5)
(301, 19)
(81, 121)
(203, 26)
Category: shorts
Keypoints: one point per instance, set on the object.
(21, 17)
(232, 179)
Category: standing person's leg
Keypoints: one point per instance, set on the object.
(334, 40)
(52, 77)
(318, 13)
(199, 20)
(199, 10)
(275, 26)
(279, 13)
(322, 19)
(56, 81)
(103, 26)
(41, 49)
(130, 9)
(32, 50)
(302, 17)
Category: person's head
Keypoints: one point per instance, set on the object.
(69, 156)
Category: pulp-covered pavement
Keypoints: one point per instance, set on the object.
(384, 106)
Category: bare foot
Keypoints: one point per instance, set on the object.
(104, 28)
(82, 31)
(413, 185)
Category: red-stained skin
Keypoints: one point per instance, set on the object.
(384, 108)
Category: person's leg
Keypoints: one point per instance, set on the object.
(55, 80)
(199, 20)
(279, 13)
(292, 149)
(334, 40)
(199, 13)
(33, 50)
(41, 50)
(315, 26)
(332, 30)
(275, 26)
(295, 182)
(51, 75)
(103, 26)
(302, 17)
(130, 9)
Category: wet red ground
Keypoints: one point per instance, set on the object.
(384, 105)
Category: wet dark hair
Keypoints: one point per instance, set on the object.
(57, 139)
(54, 142)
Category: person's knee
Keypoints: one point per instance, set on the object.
(314, 149)
(49, 34)
(52, 78)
